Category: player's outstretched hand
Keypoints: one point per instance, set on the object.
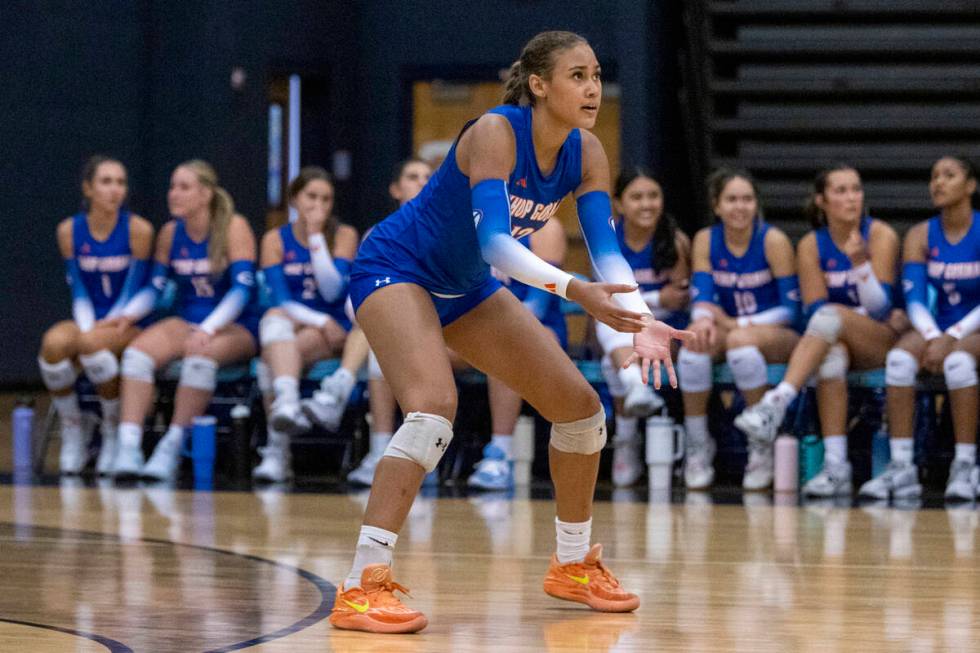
(596, 299)
(652, 346)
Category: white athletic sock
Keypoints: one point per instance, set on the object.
(502, 442)
(379, 442)
(573, 540)
(174, 433)
(345, 382)
(781, 396)
(286, 388)
(902, 450)
(374, 546)
(967, 452)
(70, 415)
(697, 429)
(630, 376)
(626, 429)
(834, 449)
(130, 435)
(110, 415)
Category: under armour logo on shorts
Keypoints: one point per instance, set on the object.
(378, 282)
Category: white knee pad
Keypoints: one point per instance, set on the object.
(748, 367)
(693, 371)
(610, 339)
(585, 436)
(901, 368)
(374, 368)
(960, 370)
(835, 363)
(275, 328)
(100, 367)
(263, 378)
(57, 376)
(138, 365)
(199, 372)
(422, 438)
(611, 375)
(825, 324)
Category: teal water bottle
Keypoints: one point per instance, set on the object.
(811, 457)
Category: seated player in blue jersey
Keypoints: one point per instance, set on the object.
(942, 256)
(495, 471)
(422, 281)
(745, 305)
(306, 266)
(209, 251)
(847, 269)
(106, 250)
(660, 256)
(327, 405)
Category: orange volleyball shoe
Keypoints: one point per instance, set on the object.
(373, 607)
(589, 582)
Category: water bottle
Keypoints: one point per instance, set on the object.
(22, 422)
(241, 442)
(786, 466)
(811, 457)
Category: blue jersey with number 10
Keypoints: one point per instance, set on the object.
(102, 264)
(744, 285)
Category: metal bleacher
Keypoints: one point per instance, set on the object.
(786, 87)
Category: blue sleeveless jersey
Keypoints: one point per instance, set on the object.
(103, 264)
(432, 241)
(646, 277)
(836, 267)
(954, 272)
(743, 285)
(553, 318)
(301, 282)
(198, 291)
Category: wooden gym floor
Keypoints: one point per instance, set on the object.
(153, 569)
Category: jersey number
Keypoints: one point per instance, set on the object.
(952, 296)
(202, 287)
(309, 288)
(745, 303)
(106, 285)
(519, 232)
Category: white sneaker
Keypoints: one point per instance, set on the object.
(287, 417)
(276, 465)
(758, 472)
(364, 474)
(699, 469)
(641, 401)
(325, 409)
(626, 464)
(760, 421)
(164, 463)
(962, 484)
(74, 453)
(107, 453)
(899, 480)
(833, 480)
(128, 462)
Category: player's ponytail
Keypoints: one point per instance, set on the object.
(537, 58)
(221, 208)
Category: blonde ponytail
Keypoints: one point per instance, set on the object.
(222, 208)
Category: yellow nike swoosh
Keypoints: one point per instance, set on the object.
(583, 580)
(360, 607)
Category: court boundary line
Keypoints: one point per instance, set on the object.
(111, 644)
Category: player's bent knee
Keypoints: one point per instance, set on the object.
(835, 364)
(137, 365)
(748, 367)
(694, 371)
(57, 376)
(199, 372)
(275, 327)
(960, 370)
(825, 324)
(422, 438)
(585, 436)
(100, 367)
(901, 368)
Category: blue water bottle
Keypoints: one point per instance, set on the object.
(22, 422)
(811, 457)
(881, 453)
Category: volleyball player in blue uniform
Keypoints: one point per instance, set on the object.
(306, 266)
(106, 250)
(942, 255)
(746, 303)
(660, 257)
(422, 280)
(847, 272)
(495, 471)
(209, 251)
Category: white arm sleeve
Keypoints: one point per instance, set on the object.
(776, 315)
(329, 281)
(923, 321)
(967, 325)
(870, 292)
(304, 314)
(518, 262)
